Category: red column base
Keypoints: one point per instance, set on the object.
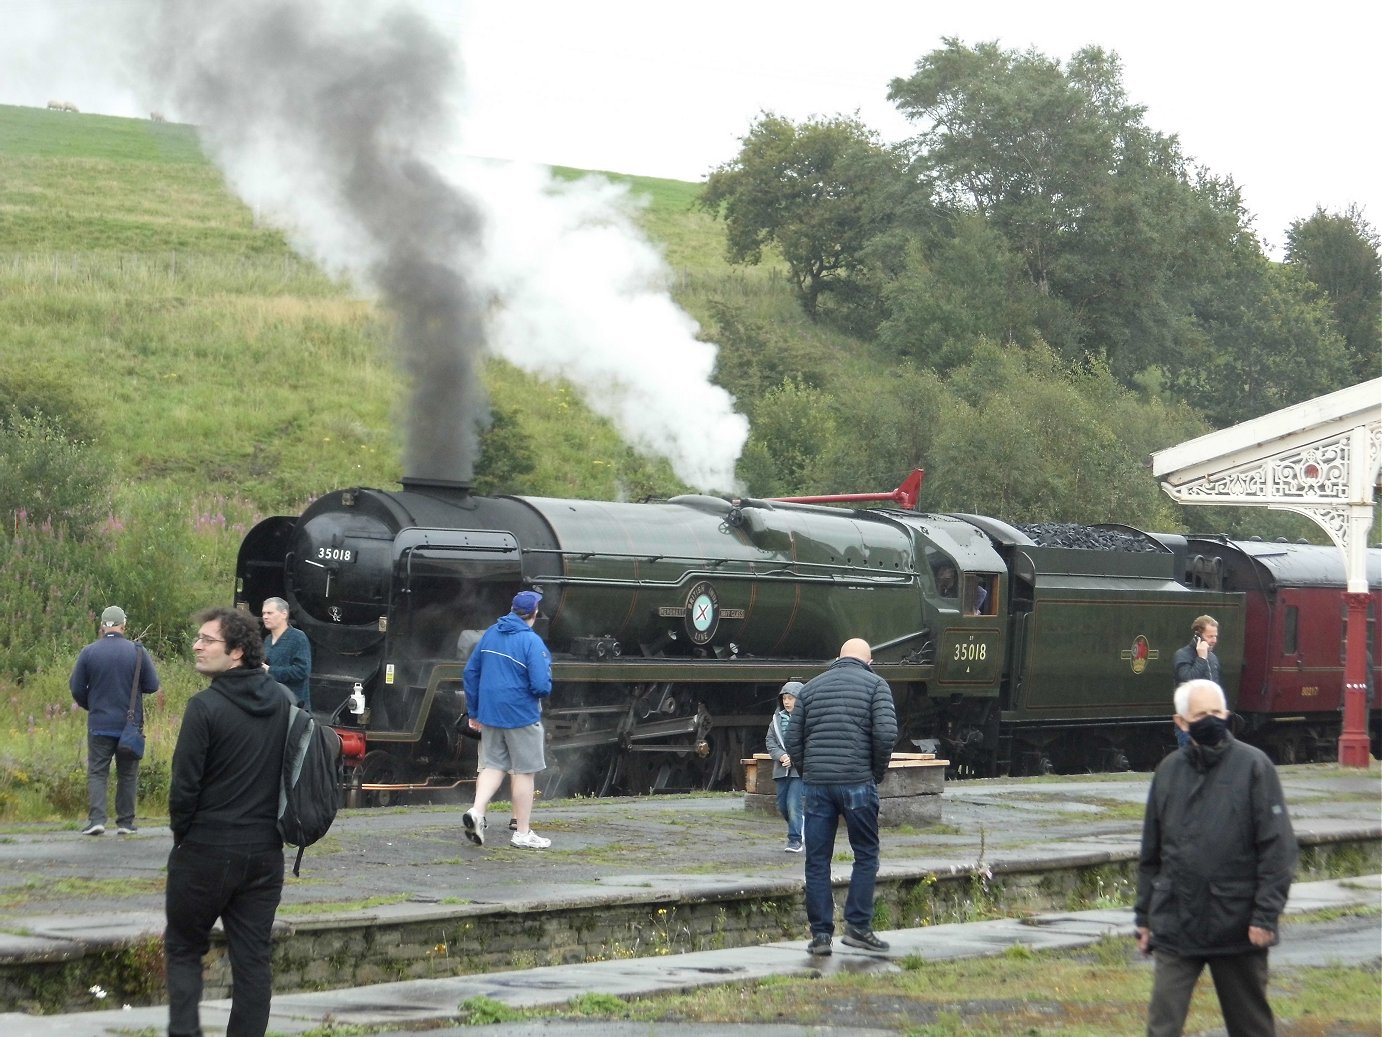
(1354, 751)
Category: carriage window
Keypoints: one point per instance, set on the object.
(1289, 644)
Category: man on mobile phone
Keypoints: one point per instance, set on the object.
(1197, 661)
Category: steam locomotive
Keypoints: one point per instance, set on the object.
(672, 624)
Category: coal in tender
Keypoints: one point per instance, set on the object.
(1086, 538)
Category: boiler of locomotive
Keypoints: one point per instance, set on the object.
(339, 566)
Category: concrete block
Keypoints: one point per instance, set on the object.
(909, 795)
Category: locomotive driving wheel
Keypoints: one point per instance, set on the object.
(378, 768)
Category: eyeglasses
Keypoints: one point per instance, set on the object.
(203, 639)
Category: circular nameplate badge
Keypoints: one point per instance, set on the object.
(702, 613)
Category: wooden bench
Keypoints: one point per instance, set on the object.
(910, 795)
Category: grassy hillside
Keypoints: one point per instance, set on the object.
(207, 355)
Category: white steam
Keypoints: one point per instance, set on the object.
(580, 294)
(339, 124)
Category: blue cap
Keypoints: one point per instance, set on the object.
(526, 602)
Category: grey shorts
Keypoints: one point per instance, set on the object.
(516, 749)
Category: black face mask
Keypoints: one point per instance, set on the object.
(1209, 730)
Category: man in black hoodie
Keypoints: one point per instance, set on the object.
(1218, 856)
(227, 858)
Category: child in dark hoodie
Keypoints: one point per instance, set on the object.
(785, 773)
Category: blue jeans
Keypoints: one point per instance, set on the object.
(100, 749)
(825, 805)
(789, 799)
(242, 888)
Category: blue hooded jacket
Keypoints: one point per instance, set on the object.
(508, 672)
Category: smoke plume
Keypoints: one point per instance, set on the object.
(340, 123)
(323, 121)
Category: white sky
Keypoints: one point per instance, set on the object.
(1283, 100)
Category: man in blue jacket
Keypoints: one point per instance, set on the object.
(508, 675)
(102, 683)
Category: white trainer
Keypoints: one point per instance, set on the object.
(530, 840)
(474, 827)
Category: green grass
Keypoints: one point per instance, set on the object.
(207, 352)
(1090, 992)
(41, 133)
(36, 891)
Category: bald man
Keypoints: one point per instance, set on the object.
(841, 736)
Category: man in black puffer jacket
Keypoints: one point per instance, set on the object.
(227, 858)
(1218, 856)
(842, 732)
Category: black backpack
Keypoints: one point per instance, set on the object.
(312, 776)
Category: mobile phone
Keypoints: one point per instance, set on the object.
(1198, 639)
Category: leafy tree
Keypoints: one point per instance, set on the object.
(1340, 253)
(1101, 209)
(903, 413)
(755, 356)
(48, 477)
(955, 291)
(506, 455)
(794, 427)
(1027, 437)
(1268, 341)
(812, 190)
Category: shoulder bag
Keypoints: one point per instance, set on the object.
(131, 742)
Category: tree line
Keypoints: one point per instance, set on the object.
(1035, 219)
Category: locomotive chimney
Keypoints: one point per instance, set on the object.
(425, 484)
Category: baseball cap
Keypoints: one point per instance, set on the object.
(526, 601)
(114, 616)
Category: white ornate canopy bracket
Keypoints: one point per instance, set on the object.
(1321, 459)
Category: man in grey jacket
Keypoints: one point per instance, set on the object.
(1218, 856)
(841, 737)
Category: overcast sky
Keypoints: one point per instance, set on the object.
(1282, 100)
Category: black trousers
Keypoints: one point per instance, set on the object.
(241, 888)
(1240, 980)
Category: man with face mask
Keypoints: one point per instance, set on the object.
(1218, 855)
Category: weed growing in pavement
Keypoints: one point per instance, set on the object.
(1102, 887)
(35, 890)
(607, 1006)
(320, 908)
(331, 1028)
(482, 1011)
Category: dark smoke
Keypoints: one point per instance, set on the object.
(329, 112)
